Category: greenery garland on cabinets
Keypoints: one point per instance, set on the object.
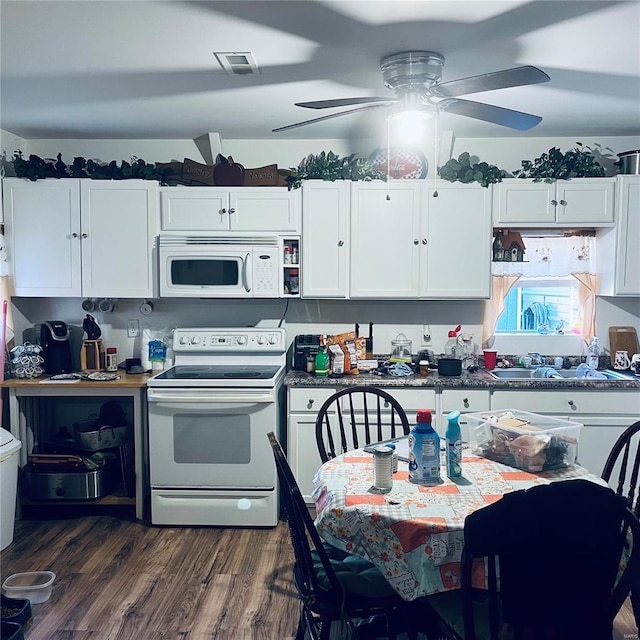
(330, 166)
(461, 170)
(578, 162)
(36, 168)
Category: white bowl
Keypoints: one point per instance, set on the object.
(35, 586)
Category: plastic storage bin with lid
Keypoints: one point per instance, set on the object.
(9, 447)
(527, 441)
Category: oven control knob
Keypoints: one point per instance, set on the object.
(184, 340)
(262, 340)
(195, 340)
(273, 339)
(242, 340)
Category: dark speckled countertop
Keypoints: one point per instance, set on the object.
(479, 380)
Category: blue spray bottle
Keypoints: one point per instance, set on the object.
(454, 445)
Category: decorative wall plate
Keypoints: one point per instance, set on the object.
(408, 163)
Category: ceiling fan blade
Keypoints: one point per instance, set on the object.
(490, 113)
(515, 77)
(341, 102)
(327, 117)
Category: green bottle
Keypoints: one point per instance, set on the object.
(454, 445)
(322, 363)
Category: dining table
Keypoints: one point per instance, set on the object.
(414, 534)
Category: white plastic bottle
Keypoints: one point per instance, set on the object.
(592, 354)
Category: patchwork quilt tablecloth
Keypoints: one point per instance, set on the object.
(414, 534)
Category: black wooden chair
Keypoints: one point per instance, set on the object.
(356, 417)
(552, 557)
(333, 585)
(621, 471)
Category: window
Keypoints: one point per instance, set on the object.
(542, 305)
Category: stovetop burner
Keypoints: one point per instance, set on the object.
(219, 372)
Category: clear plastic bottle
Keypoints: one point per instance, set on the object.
(450, 346)
(424, 451)
(593, 353)
(453, 437)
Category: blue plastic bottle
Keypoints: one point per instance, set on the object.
(424, 451)
(454, 445)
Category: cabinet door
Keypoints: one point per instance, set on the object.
(385, 252)
(627, 270)
(597, 437)
(269, 209)
(465, 401)
(455, 260)
(43, 236)
(587, 201)
(519, 202)
(118, 229)
(325, 239)
(194, 209)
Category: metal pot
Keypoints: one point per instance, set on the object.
(630, 162)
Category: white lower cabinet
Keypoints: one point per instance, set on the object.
(465, 401)
(604, 414)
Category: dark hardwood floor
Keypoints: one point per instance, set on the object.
(119, 579)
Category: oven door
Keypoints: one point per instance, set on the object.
(212, 438)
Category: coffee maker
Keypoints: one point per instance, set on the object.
(56, 346)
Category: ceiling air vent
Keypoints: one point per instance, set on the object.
(237, 63)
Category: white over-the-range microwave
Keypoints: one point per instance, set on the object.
(204, 266)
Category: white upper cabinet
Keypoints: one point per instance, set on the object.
(427, 240)
(385, 239)
(325, 239)
(578, 202)
(73, 237)
(618, 257)
(455, 242)
(218, 209)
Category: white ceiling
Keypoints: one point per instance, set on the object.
(146, 70)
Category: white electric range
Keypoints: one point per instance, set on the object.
(209, 415)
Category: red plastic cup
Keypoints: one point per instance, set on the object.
(490, 358)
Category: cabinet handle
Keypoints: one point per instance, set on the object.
(84, 235)
(74, 235)
(424, 241)
(232, 210)
(386, 404)
(465, 401)
(340, 243)
(416, 241)
(554, 203)
(571, 404)
(223, 211)
(310, 403)
(563, 203)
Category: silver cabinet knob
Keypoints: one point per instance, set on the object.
(223, 210)
(465, 401)
(571, 403)
(74, 235)
(416, 241)
(563, 203)
(310, 403)
(84, 235)
(554, 203)
(232, 210)
(340, 243)
(424, 241)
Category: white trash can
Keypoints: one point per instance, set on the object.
(9, 447)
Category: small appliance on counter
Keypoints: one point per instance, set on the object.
(305, 350)
(56, 346)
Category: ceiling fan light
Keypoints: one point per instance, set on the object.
(408, 125)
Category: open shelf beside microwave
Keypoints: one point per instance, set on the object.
(291, 267)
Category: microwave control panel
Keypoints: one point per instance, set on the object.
(265, 274)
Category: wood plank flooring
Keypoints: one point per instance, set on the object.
(119, 579)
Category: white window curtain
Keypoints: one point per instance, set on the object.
(574, 255)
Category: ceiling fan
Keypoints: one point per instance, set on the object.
(414, 77)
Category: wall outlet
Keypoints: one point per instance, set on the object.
(426, 334)
(133, 328)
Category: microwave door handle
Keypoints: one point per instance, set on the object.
(246, 273)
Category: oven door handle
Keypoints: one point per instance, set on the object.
(189, 395)
(246, 273)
